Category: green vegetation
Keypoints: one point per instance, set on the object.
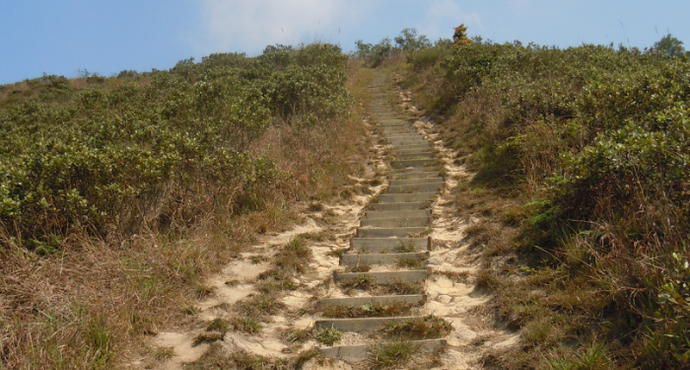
(219, 358)
(368, 310)
(427, 327)
(118, 195)
(581, 162)
(157, 155)
(329, 336)
(287, 263)
(391, 355)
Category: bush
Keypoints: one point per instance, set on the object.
(159, 154)
(595, 140)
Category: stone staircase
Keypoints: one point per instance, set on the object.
(390, 247)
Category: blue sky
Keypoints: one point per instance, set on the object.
(106, 36)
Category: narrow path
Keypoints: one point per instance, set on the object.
(389, 270)
(385, 268)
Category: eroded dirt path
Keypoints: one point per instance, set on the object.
(326, 231)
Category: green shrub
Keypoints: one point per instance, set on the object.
(594, 141)
(157, 154)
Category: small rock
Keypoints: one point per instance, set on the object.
(444, 298)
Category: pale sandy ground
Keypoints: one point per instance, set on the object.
(471, 338)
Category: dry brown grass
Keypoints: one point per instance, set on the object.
(368, 310)
(93, 303)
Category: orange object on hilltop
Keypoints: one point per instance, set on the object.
(460, 38)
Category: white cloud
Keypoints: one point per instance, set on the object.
(443, 16)
(250, 25)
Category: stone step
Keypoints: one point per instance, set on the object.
(392, 120)
(406, 163)
(360, 352)
(403, 135)
(386, 300)
(360, 324)
(407, 141)
(404, 128)
(421, 145)
(390, 214)
(404, 138)
(397, 232)
(389, 245)
(415, 155)
(406, 197)
(419, 175)
(385, 277)
(416, 188)
(412, 151)
(397, 126)
(396, 222)
(411, 206)
(380, 258)
(416, 181)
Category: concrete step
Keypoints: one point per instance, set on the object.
(416, 188)
(422, 145)
(387, 207)
(397, 232)
(387, 277)
(360, 352)
(361, 324)
(396, 222)
(390, 245)
(407, 141)
(416, 181)
(413, 151)
(406, 197)
(380, 258)
(403, 128)
(415, 155)
(390, 214)
(419, 175)
(403, 135)
(392, 120)
(406, 163)
(386, 300)
(412, 138)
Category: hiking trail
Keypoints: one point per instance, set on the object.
(394, 268)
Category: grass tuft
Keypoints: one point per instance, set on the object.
(390, 355)
(329, 336)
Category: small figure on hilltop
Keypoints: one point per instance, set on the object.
(460, 38)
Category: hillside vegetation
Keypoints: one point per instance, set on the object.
(119, 194)
(583, 189)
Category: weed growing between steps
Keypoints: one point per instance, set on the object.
(396, 354)
(411, 263)
(427, 327)
(218, 358)
(329, 336)
(365, 283)
(391, 355)
(579, 202)
(375, 309)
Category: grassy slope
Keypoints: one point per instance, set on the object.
(581, 190)
(83, 292)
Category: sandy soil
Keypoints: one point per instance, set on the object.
(450, 289)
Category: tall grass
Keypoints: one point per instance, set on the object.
(591, 142)
(119, 196)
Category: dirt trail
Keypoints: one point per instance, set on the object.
(449, 289)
